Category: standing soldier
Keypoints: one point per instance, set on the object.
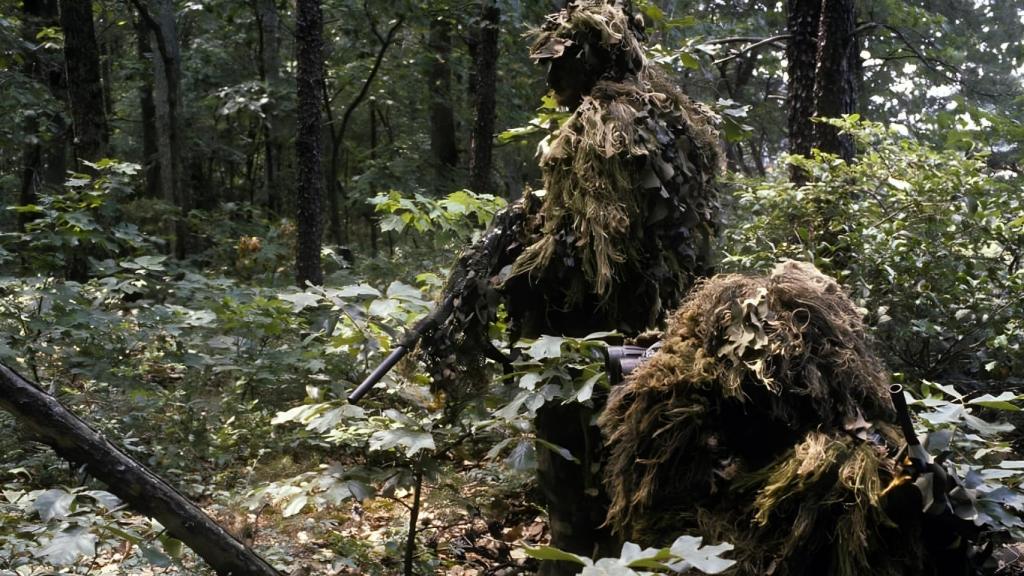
(620, 232)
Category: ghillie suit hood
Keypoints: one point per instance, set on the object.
(765, 420)
(606, 34)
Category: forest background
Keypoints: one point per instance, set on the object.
(220, 215)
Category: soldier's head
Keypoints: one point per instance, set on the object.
(588, 41)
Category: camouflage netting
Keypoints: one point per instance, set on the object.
(626, 219)
(764, 420)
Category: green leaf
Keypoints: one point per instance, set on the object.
(77, 182)
(301, 300)
(987, 428)
(65, 548)
(1002, 402)
(154, 263)
(901, 185)
(707, 559)
(106, 499)
(154, 556)
(172, 546)
(586, 390)
(563, 452)
(355, 291)
(523, 456)
(412, 440)
(54, 503)
(549, 553)
(546, 347)
(295, 505)
(688, 60)
(403, 291)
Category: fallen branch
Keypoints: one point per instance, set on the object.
(53, 424)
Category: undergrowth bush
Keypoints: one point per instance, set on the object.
(928, 241)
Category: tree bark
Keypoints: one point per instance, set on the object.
(443, 149)
(167, 88)
(147, 108)
(310, 79)
(44, 157)
(803, 20)
(486, 67)
(274, 135)
(85, 83)
(835, 85)
(51, 423)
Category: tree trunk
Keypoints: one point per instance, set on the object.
(147, 107)
(167, 89)
(338, 136)
(443, 150)
(310, 78)
(485, 63)
(835, 86)
(85, 83)
(274, 135)
(803, 19)
(49, 422)
(371, 214)
(44, 157)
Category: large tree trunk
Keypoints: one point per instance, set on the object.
(485, 63)
(85, 84)
(274, 135)
(803, 20)
(44, 157)
(835, 85)
(309, 78)
(49, 422)
(88, 112)
(147, 107)
(443, 150)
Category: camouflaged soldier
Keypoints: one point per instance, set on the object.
(620, 232)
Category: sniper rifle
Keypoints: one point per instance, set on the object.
(619, 361)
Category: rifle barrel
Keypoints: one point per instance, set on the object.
(899, 402)
(378, 373)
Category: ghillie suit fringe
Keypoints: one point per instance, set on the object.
(764, 420)
(629, 202)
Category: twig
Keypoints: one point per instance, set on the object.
(774, 41)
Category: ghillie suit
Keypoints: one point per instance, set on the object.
(624, 224)
(764, 420)
(620, 232)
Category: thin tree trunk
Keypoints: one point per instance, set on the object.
(147, 107)
(835, 87)
(85, 82)
(803, 19)
(338, 137)
(167, 88)
(51, 423)
(310, 79)
(486, 66)
(371, 214)
(443, 150)
(44, 157)
(274, 134)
